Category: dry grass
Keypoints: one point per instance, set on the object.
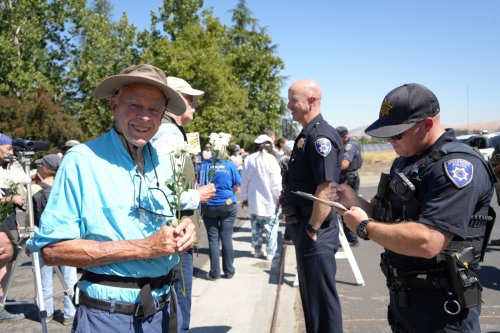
(378, 156)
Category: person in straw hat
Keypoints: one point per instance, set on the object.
(172, 134)
(108, 212)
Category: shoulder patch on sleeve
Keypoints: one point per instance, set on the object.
(459, 171)
(323, 146)
(348, 147)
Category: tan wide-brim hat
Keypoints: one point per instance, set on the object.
(183, 87)
(143, 73)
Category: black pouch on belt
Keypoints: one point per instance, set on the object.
(291, 214)
(465, 284)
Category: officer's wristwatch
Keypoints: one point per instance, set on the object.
(310, 229)
(361, 231)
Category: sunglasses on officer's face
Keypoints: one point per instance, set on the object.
(399, 136)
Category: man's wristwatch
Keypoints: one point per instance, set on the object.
(310, 229)
(361, 230)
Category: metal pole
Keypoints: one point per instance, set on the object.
(25, 161)
(467, 106)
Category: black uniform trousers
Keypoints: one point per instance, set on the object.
(316, 268)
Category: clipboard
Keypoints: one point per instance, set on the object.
(310, 196)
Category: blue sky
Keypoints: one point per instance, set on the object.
(359, 50)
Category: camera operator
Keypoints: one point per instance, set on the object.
(9, 228)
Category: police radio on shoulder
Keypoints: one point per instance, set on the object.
(361, 230)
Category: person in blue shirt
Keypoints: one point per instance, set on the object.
(108, 212)
(219, 213)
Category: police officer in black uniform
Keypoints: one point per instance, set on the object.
(314, 163)
(432, 215)
(349, 172)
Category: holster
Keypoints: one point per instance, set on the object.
(464, 282)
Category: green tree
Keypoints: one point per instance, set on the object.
(192, 49)
(103, 48)
(64, 49)
(254, 62)
(234, 66)
(40, 119)
(34, 45)
(34, 52)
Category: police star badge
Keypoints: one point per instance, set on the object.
(385, 108)
(459, 171)
(301, 142)
(323, 146)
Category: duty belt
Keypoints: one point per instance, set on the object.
(400, 282)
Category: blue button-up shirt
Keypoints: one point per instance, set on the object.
(95, 196)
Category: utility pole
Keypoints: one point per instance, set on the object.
(467, 107)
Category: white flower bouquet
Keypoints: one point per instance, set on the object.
(9, 184)
(178, 184)
(219, 142)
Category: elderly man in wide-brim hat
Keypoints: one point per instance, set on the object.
(109, 212)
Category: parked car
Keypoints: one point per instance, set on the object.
(484, 142)
(465, 137)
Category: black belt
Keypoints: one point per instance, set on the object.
(145, 285)
(121, 307)
(129, 282)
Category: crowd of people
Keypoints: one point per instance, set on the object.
(106, 207)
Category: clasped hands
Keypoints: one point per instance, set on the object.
(171, 239)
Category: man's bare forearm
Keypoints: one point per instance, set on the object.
(409, 238)
(320, 211)
(87, 253)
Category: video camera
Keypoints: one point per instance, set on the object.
(23, 145)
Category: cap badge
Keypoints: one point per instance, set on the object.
(459, 171)
(323, 146)
(385, 108)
